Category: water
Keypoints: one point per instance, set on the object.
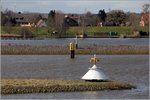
(130, 68)
(86, 41)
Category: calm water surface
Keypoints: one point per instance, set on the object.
(86, 41)
(130, 68)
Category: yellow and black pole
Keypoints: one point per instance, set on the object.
(72, 50)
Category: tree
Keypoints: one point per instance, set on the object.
(117, 16)
(102, 15)
(146, 7)
(59, 22)
(6, 18)
(51, 18)
(56, 22)
(90, 19)
(82, 30)
(134, 21)
(25, 32)
(145, 14)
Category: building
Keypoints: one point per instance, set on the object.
(41, 23)
(28, 19)
(72, 20)
(144, 19)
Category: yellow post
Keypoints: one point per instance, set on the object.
(72, 51)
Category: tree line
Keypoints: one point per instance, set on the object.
(57, 22)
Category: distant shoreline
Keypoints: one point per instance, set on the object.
(71, 32)
(15, 37)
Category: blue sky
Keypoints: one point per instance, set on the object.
(73, 6)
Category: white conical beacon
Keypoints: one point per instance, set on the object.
(95, 74)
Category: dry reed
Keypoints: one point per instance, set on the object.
(18, 86)
(63, 49)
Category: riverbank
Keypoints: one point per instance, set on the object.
(82, 50)
(91, 32)
(19, 86)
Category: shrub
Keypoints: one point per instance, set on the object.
(25, 32)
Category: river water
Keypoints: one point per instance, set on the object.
(130, 68)
(86, 41)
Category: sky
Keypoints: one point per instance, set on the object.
(73, 6)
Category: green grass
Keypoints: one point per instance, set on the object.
(64, 49)
(18, 86)
(9, 30)
(17, 30)
(101, 29)
(90, 31)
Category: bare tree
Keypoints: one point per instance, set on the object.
(133, 19)
(59, 22)
(146, 7)
(134, 23)
(83, 25)
(56, 23)
(25, 32)
(90, 19)
(145, 14)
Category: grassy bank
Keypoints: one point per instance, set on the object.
(63, 49)
(99, 30)
(37, 32)
(16, 86)
(94, 31)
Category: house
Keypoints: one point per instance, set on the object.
(72, 20)
(144, 19)
(142, 23)
(41, 23)
(23, 20)
(28, 19)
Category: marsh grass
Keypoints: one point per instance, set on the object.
(18, 86)
(64, 49)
